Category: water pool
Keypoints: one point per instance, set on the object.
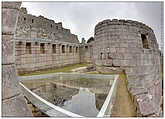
(79, 94)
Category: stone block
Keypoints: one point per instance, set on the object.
(128, 56)
(10, 82)
(8, 52)
(119, 55)
(145, 105)
(124, 44)
(124, 62)
(138, 91)
(11, 5)
(158, 94)
(9, 19)
(129, 70)
(116, 62)
(108, 62)
(112, 50)
(16, 107)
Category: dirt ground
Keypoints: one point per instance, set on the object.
(124, 106)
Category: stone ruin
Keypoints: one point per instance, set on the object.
(117, 46)
(13, 101)
(131, 46)
(41, 43)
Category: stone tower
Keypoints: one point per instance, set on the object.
(131, 46)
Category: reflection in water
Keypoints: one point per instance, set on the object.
(82, 103)
(85, 98)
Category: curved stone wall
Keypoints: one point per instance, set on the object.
(131, 46)
(13, 101)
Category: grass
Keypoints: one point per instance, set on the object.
(123, 77)
(124, 106)
(93, 72)
(66, 69)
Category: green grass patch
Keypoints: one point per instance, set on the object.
(66, 69)
(124, 107)
(93, 72)
(123, 77)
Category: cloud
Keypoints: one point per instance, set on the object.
(81, 17)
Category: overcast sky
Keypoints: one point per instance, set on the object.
(81, 17)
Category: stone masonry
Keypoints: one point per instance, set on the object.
(37, 43)
(86, 50)
(41, 44)
(131, 46)
(13, 101)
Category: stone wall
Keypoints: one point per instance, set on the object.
(131, 46)
(54, 54)
(86, 51)
(41, 44)
(30, 26)
(13, 101)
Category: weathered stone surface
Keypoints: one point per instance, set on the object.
(141, 62)
(33, 30)
(10, 82)
(117, 45)
(138, 91)
(16, 107)
(8, 54)
(145, 105)
(109, 70)
(9, 20)
(13, 103)
(116, 62)
(11, 5)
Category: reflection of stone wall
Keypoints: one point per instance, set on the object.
(131, 46)
(13, 102)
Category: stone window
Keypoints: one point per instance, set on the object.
(109, 56)
(144, 41)
(32, 20)
(19, 43)
(63, 48)
(54, 48)
(24, 19)
(36, 43)
(101, 55)
(56, 27)
(42, 48)
(28, 48)
(70, 49)
(76, 49)
(86, 48)
(51, 25)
